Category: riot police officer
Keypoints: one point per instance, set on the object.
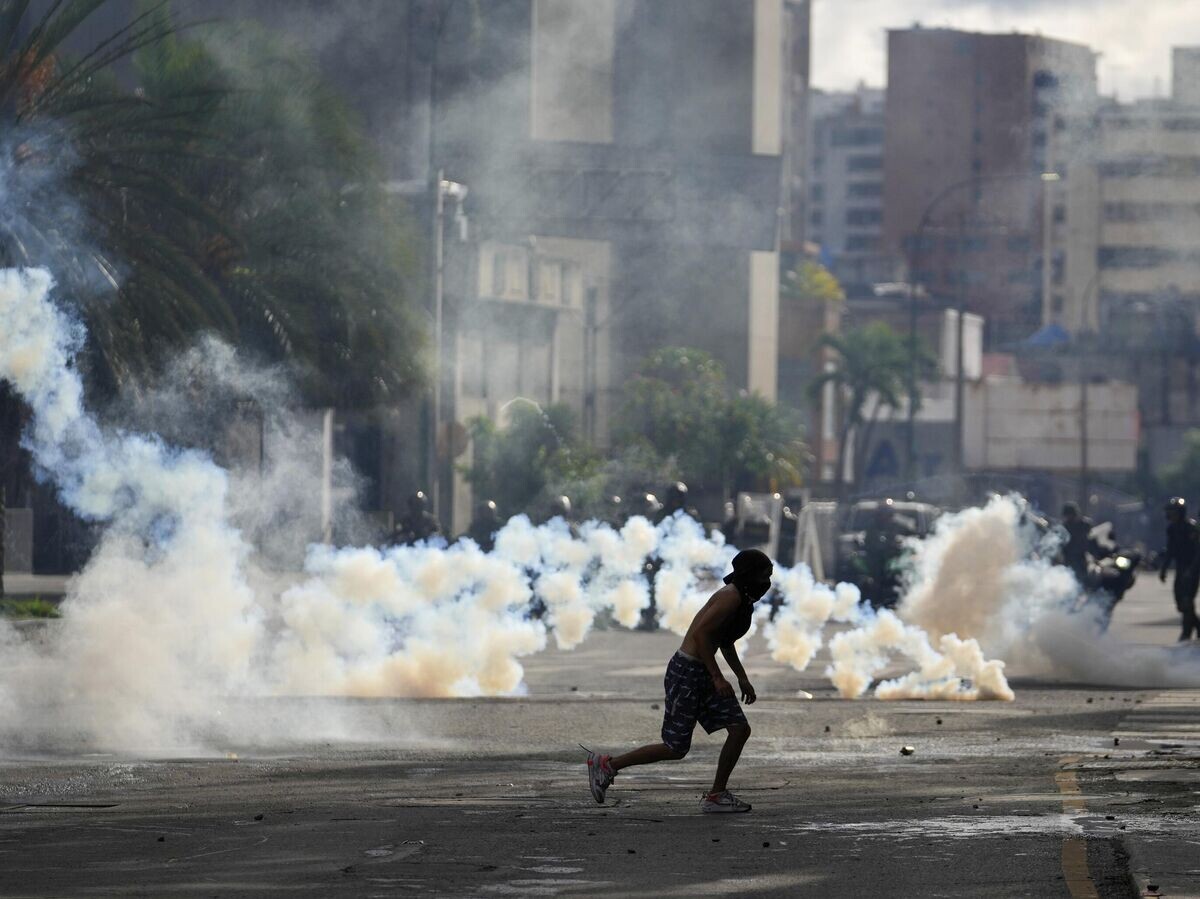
(1075, 549)
(484, 525)
(677, 497)
(1183, 548)
(418, 523)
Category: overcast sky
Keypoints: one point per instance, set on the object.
(1133, 37)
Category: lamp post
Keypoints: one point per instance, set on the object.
(457, 193)
(916, 246)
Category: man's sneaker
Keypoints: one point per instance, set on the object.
(600, 773)
(723, 802)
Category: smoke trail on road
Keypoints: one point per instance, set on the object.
(179, 611)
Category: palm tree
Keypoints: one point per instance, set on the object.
(86, 193)
(83, 193)
(873, 366)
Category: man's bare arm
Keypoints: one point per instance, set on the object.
(735, 665)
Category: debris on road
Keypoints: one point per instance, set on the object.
(907, 750)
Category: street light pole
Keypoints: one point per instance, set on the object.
(1047, 178)
(917, 246)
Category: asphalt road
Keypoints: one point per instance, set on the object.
(489, 798)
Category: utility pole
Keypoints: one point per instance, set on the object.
(3, 531)
(959, 389)
(1084, 489)
(590, 364)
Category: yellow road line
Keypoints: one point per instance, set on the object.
(1074, 851)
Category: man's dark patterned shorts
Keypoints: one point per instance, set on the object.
(692, 698)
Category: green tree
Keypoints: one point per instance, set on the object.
(810, 281)
(325, 259)
(681, 406)
(873, 366)
(1182, 476)
(83, 192)
(520, 465)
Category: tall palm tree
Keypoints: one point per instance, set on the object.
(873, 366)
(86, 194)
(83, 193)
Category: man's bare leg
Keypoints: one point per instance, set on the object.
(730, 753)
(645, 755)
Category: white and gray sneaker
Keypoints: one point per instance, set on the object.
(717, 803)
(600, 773)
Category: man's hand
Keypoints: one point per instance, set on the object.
(748, 694)
(723, 687)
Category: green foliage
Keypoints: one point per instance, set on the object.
(810, 281)
(872, 361)
(681, 407)
(1182, 476)
(232, 193)
(519, 465)
(325, 258)
(28, 608)
(86, 192)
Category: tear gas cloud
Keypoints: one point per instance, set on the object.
(183, 609)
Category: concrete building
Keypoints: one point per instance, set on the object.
(797, 120)
(629, 166)
(966, 131)
(1125, 246)
(1010, 427)
(845, 189)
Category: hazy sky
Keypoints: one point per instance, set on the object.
(1133, 37)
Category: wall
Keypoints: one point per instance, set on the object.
(1017, 426)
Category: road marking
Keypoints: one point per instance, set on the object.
(1074, 851)
(1166, 718)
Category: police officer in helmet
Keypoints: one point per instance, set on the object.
(1183, 548)
(418, 523)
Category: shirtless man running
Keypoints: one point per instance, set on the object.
(697, 691)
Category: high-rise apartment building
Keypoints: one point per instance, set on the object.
(624, 161)
(845, 185)
(967, 125)
(797, 57)
(1127, 248)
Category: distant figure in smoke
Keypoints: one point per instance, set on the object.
(697, 691)
(1183, 548)
(417, 524)
(484, 526)
(677, 497)
(652, 511)
(1075, 550)
(614, 511)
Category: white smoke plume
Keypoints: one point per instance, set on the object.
(985, 574)
(182, 607)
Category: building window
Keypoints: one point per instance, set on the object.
(815, 217)
(863, 243)
(550, 278)
(817, 193)
(857, 137)
(1020, 244)
(1151, 166)
(499, 274)
(861, 189)
(508, 274)
(864, 163)
(863, 217)
(1134, 257)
